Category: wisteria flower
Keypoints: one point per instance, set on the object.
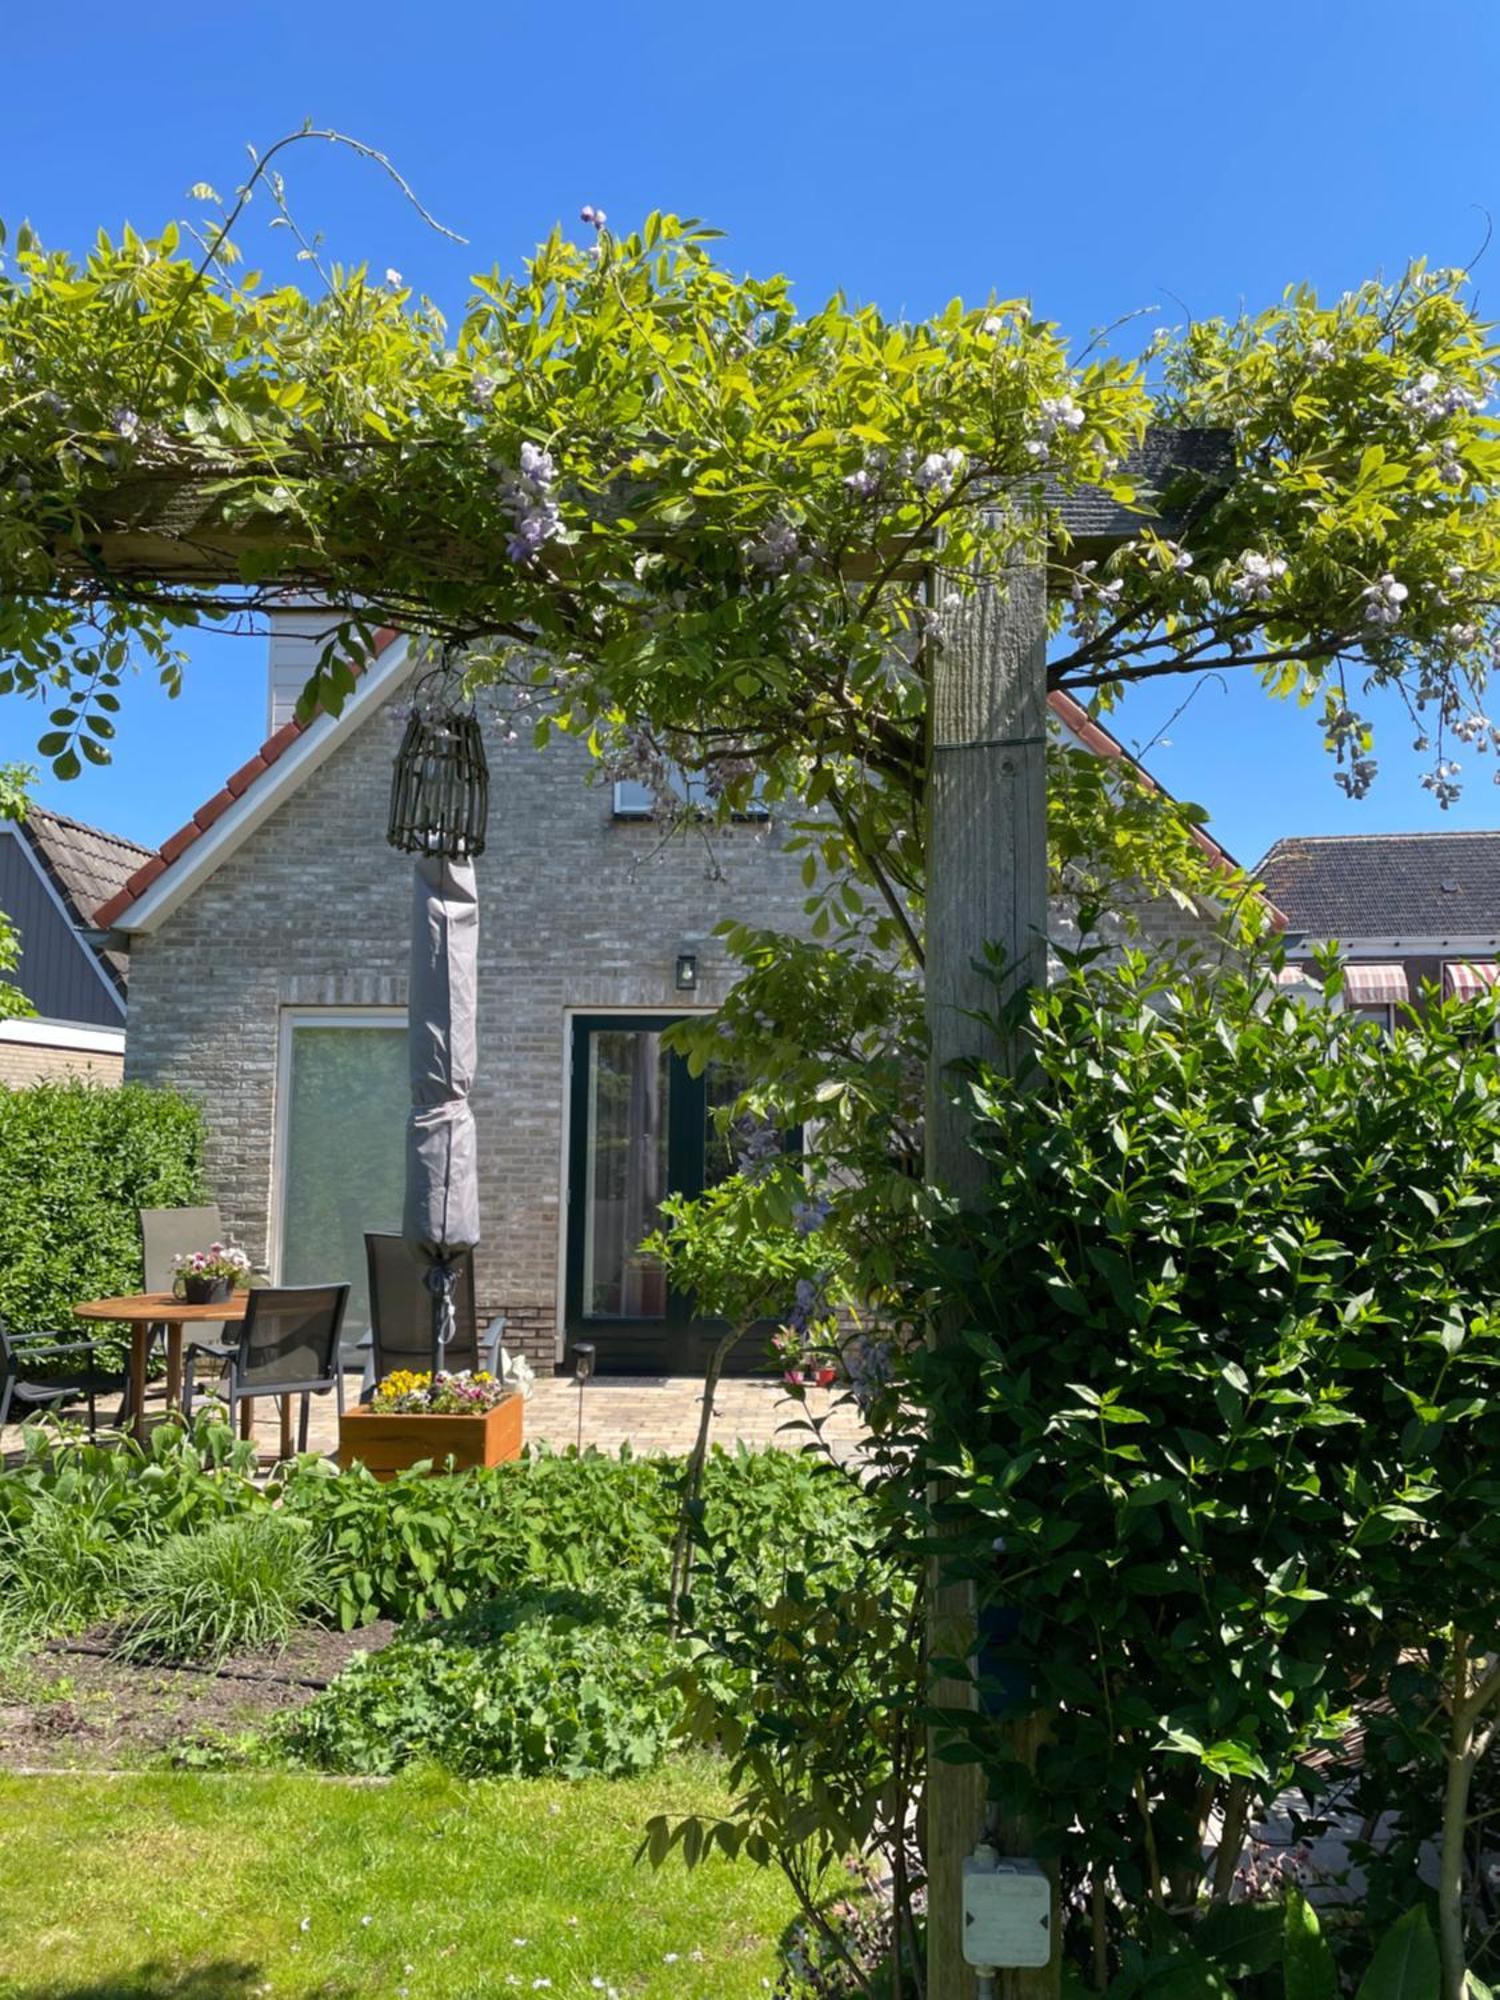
(1060, 413)
(528, 495)
(939, 470)
(1256, 577)
(1383, 600)
(774, 549)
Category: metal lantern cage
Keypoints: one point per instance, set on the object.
(440, 788)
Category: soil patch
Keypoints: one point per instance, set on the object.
(73, 1705)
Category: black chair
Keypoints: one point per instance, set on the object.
(28, 1350)
(401, 1314)
(288, 1346)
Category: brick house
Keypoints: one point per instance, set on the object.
(268, 947)
(55, 872)
(1412, 913)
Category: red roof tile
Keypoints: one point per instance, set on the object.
(214, 808)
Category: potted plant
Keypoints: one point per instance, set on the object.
(448, 1421)
(786, 1345)
(207, 1277)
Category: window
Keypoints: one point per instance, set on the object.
(633, 800)
(1376, 1011)
(344, 1093)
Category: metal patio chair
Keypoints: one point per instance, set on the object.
(33, 1393)
(288, 1346)
(401, 1315)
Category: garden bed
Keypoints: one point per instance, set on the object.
(73, 1705)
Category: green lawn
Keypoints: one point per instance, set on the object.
(220, 1886)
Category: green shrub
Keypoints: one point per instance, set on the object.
(416, 1546)
(238, 1586)
(76, 1162)
(75, 1516)
(1227, 1400)
(554, 1685)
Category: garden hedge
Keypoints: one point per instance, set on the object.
(76, 1162)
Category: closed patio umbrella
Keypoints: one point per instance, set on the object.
(439, 805)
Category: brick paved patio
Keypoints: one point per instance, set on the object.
(650, 1414)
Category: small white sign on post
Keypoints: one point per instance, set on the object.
(1007, 1912)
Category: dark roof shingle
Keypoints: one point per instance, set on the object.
(1386, 885)
(86, 867)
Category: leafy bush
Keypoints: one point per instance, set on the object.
(76, 1162)
(414, 1546)
(1227, 1400)
(237, 1586)
(540, 1685)
(74, 1516)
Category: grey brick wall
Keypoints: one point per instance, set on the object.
(578, 912)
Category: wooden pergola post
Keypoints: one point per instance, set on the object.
(986, 886)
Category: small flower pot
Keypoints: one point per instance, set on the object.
(826, 1376)
(206, 1291)
(796, 1376)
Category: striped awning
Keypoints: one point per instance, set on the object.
(1461, 981)
(1367, 985)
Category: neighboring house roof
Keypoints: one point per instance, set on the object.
(1387, 885)
(166, 876)
(85, 867)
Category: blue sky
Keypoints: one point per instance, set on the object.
(1097, 158)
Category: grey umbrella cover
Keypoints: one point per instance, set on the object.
(442, 1168)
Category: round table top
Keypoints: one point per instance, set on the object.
(162, 1306)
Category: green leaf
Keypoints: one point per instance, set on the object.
(1307, 1963)
(1406, 1965)
(1188, 1977)
(1241, 1938)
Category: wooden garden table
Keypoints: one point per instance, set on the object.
(143, 1310)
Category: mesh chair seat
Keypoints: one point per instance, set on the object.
(176, 1232)
(288, 1346)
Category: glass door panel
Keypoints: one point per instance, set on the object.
(625, 1172)
(344, 1157)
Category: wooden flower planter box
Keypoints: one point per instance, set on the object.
(387, 1442)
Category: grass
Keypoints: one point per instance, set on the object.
(225, 1886)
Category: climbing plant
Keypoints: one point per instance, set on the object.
(675, 514)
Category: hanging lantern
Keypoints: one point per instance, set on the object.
(440, 789)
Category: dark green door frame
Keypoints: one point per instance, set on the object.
(671, 1344)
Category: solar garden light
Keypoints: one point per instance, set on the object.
(583, 1368)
